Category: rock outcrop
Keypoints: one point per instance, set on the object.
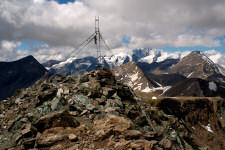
(204, 117)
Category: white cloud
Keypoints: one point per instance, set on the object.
(38, 1)
(9, 46)
(8, 51)
(149, 23)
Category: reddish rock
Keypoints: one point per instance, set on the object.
(165, 143)
(50, 137)
(113, 122)
(132, 134)
(72, 137)
(92, 116)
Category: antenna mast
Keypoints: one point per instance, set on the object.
(97, 43)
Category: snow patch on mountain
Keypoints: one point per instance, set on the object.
(212, 86)
(63, 63)
(134, 77)
(208, 128)
(164, 89)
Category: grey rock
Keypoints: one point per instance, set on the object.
(90, 107)
(56, 119)
(57, 104)
(59, 93)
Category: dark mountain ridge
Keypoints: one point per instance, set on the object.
(196, 87)
(19, 74)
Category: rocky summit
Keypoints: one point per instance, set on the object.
(94, 111)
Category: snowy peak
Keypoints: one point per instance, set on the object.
(63, 63)
(195, 65)
(140, 53)
(118, 59)
(156, 55)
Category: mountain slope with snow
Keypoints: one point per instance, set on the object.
(118, 59)
(151, 61)
(198, 65)
(133, 76)
(196, 87)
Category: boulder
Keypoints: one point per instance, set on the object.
(108, 92)
(57, 104)
(116, 123)
(50, 137)
(165, 143)
(56, 119)
(46, 96)
(133, 134)
(79, 102)
(29, 143)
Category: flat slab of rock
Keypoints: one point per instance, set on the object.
(56, 119)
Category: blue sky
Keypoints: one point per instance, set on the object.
(28, 44)
(63, 1)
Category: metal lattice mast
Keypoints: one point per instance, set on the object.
(97, 42)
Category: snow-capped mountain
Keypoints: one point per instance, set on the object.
(151, 62)
(133, 76)
(160, 55)
(198, 65)
(118, 59)
(149, 56)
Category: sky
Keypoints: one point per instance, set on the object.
(50, 29)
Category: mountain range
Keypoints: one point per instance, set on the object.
(145, 70)
(148, 70)
(84, 110)
(159, 60)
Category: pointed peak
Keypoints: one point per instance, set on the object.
(197, 52)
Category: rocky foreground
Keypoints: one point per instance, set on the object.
(93, 111)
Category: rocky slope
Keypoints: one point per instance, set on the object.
(196, 87)
(19, 74)
(203, 117)
(133, 76)
(157, 68)
(90, 111)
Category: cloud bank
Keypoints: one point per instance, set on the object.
(147, 23)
